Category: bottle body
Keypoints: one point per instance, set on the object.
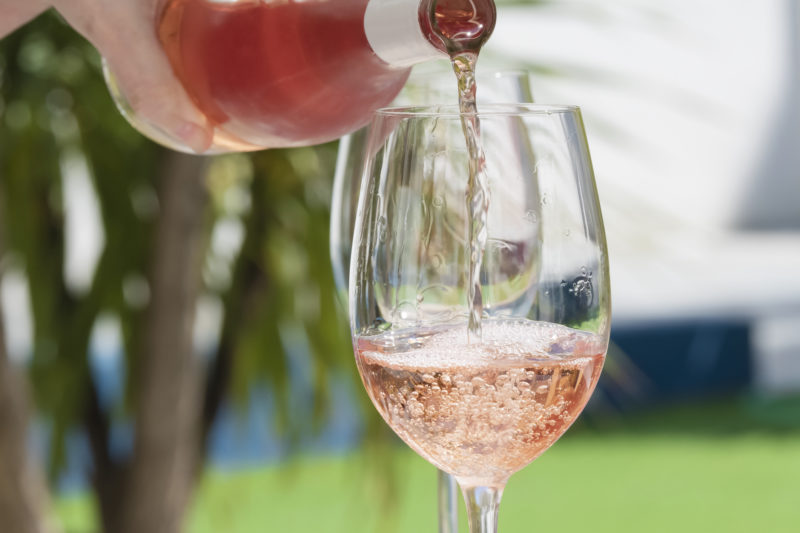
(270, 74)
(281, 73)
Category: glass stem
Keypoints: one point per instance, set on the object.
(482, 506)
(448, 503)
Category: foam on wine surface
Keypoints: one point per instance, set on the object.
(481, 410)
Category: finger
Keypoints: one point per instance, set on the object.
(14, 13)
(124, 32)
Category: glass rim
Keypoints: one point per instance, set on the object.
(498, 109)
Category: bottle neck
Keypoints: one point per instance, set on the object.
(394, 31)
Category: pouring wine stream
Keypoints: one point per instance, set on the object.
(464, 26)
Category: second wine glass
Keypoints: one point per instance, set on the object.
(423, 88)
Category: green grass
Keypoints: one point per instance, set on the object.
(720, 468)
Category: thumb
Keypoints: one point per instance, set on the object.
(146, 106)
(124, 32)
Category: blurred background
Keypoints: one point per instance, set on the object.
(172, 338)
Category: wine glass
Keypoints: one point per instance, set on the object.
(479, 404)
(425, 86)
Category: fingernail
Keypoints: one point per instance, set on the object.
(194, 137)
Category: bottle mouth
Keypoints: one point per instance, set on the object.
(452, 111)
(457, 26)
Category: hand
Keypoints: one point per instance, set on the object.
(14, 13)
(124, 32)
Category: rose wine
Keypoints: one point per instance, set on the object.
(481, 410)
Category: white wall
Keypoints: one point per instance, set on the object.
(693, 115)
(679, 97)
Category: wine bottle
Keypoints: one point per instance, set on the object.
(292, 72)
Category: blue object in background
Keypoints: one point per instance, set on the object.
(666, 363)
